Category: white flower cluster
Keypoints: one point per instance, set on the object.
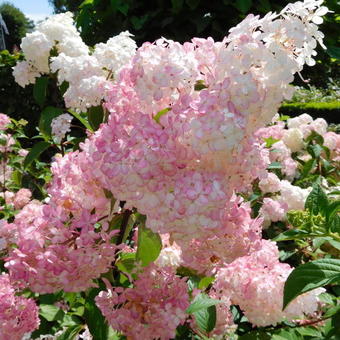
(88, 75)
(290, 197)
(60, 126)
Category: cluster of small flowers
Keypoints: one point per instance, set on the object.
(19, 199)
(87, 74)
(152, 309)
(291, 138)
(60, 126)
(22, 197)
(255, 283)
(56, 251)
(179, 142)
(18, 315)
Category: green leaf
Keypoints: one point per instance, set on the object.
(35, 152)
(161, 113)
(199, 85)
(308, 167)
(94, 319)
(95, 116)
(126, 262)
(50, 312)
(333, 52)
(46, 117)
(319, 241)
(308, 331)
(270, 141)
(40, 90)
(86, 3)
(334, 224)
(243, 5)
(317, 201)
(309, 276)
(204, 310)
(283, 118)
(71, 332)
(149, 245)
(274, 165)
(205, 282)
(333, 208)
(206, 316)
(315, 150)
(335, 244)
(332, 311)
(293, 234)
(201, 301)
(16, 177)
(256, 335)
(81, 119)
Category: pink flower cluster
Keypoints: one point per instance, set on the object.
(18, 315)
(255, 283)
(179, 143)
(4, 121)
(19, 199)
(57, 251)
(152, 309)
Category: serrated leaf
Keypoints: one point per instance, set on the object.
(50, 312)
(201, 301)
(317, 201)
(149, 245)
(35, 152)
(293, 234)
(40, 90)
(309, 276)
(206, 319)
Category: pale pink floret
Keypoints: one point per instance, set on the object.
(18, 315)
(256, 282)
(55, 251)
(4, 121)
(152, 309)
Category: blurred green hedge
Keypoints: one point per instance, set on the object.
(330, 111)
